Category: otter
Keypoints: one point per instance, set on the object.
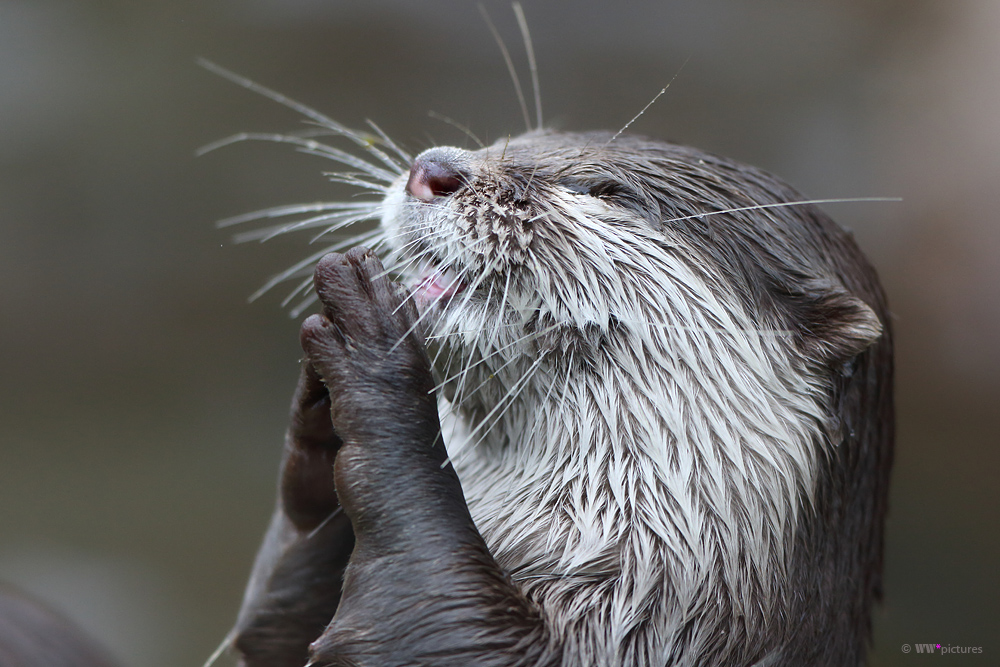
(590, 399)
(631, 404)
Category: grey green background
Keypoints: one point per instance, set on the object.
(143, 401)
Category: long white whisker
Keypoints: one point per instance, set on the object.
(451, 355)
(297, 209)
(433, 251)
(431, 308)
(569, 371)
(342, 219)
(460, 390)
(397, 255)
(346, 223)
(455, 332)
(418, 321)
(532, 65)
(362, 139)
(650, 103)
(353, 179)
(393, 261)
(802, 202)
(468, 368)
(398, 266)
(510, 65)
(389, 161)
(440, 315)
(308, 146)
(454, 123)
(493, 353)
(503, 306)
(301, 288)
(299, 309)
(290, 272)
(469, 291)
(407, 159)
(511, 394)
(221, 648)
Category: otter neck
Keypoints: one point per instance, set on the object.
(636, 443)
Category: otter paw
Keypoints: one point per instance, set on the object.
(365, 345)
(308, 495)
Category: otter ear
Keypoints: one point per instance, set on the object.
(833, 326)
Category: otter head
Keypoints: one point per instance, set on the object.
(654, 258)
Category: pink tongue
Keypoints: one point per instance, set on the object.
(438, 285)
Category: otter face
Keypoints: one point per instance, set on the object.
(537, 244)
(565, 244)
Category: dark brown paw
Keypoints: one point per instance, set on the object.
(308, 495)
(365, 347)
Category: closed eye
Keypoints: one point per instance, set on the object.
(599, 189)
(612, 192)
(609, 190)
(576, 187)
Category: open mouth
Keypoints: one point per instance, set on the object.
(436, 285)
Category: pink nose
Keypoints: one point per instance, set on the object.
(431, 178)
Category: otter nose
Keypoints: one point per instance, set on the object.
(433, 176)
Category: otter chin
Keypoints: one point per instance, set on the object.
(628, 403)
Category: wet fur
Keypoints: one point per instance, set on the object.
(667, 410)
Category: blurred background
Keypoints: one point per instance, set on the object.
(143, 400)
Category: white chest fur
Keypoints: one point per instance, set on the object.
(631, 497)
